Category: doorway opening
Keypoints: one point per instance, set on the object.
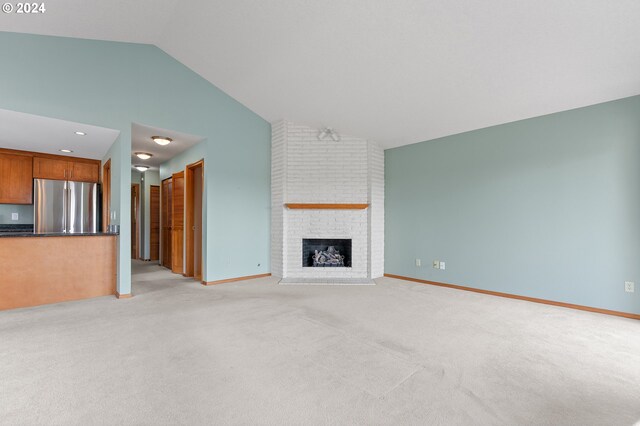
(135, 221)
(194, 201)
(167, 203)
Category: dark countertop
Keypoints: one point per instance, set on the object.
(53, 234)
(7, 230)
(6, 227)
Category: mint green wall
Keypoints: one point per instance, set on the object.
(113, 84)
(136, 176)
(547, 207)
(25, 213)
(120, 205)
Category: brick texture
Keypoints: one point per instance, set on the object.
(307, 170)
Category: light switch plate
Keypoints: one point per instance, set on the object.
(15, 216)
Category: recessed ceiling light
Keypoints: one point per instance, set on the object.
(81, 133)
(142, 168)
(143, 155)
(162, 140)
(66, 150)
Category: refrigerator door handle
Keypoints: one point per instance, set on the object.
(67, 210)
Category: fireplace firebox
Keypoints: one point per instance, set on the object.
(326, 253)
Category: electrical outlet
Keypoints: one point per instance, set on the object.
(418, 262)
(14, 216)
(629, 286)
(442, 265)
(436, 264)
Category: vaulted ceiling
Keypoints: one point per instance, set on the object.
(398, 72)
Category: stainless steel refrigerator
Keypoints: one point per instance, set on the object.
(65, 206)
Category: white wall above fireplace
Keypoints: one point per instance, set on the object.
(307, 170)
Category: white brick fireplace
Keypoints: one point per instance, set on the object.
(306, 170)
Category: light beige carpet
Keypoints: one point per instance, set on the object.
(255, 352)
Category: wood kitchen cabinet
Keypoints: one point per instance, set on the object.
(16, 185)
(84, 172)
(67, 268)
(49, 168)
(66, 169)
(19, 168)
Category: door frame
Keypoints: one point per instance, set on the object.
(137, 230)
(190, 219)
(106, 195)
(151, 221)
(169, 204)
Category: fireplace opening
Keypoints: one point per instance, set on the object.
(326, 253)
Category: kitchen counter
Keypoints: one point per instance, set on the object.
(55, 268)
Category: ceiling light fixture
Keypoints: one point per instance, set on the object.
(328, 132)
(141, 168)
(143, 155)
(66, 150)
(162, 140)
(81, 133)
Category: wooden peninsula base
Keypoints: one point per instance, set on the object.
(37, 270)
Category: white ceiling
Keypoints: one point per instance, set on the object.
(398, 72)
(141, 142)
(29, 132)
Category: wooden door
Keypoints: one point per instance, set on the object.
(135, 220)
(16, 179)
(84, 172)
(177, 224)
(193, 219)
(154, 237)
(49, 168)
(198, 189)
(167, 201)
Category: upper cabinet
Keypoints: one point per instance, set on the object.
(66, 169)
(16, 179)
(85, 172)
(48, 168)
(19, 168)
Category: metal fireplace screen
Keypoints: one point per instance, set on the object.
(326, 253)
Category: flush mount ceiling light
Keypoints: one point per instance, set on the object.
(81, 133)
(328, 132)
(141, 168)
(162, 140)
(143, 155)
(66, 150)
